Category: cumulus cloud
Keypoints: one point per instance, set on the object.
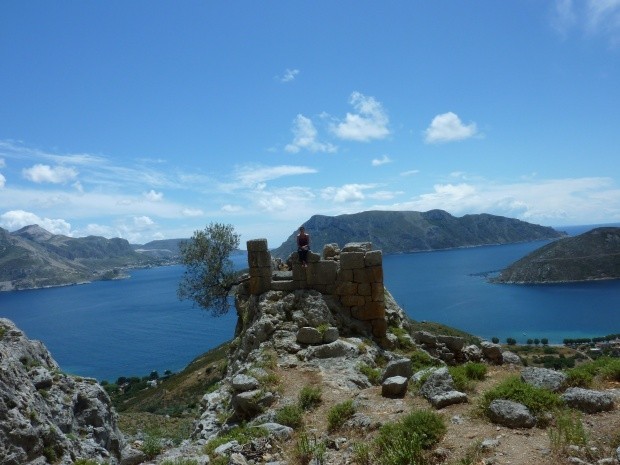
(2, 181)
(346, 193)
(381, 161)
(289, 75)
(142, 222)
(448, 127)
(409, 172)
(16, 219)
(370, 122)
(40, 173)
(192, 212)
(228, 208)
(305, 137)
(153, 196)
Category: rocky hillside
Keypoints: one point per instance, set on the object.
(409, 231)
(46, 416)
(167, 249)
(33, 257)
(590, 256)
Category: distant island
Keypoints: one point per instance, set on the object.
(410, 231)
(593, 255)
(32, 258)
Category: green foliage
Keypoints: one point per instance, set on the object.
(243, 434)
(322, 328)
(511, 341)
(362, 453)
(373, 374)
(180, 461)
(209, 275)
(537, 400)
(309, 449)
(568, 430)
(610, 369)
(403, 442)
(309, 397)
(464, 375)
(580, 376)
(290, 415)
(86, 462)
(2, 331)
(339, 413)
(152, 445)
(404, 342)
(421, 360)
(495, 340)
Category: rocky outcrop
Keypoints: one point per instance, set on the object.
(544, 378)
(588, 400)
(439, 390)
(47, 416)
(511, 414)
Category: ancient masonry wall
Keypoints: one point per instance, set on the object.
(354, 277)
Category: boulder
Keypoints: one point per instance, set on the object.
(278, 430)
(439, 390)
(472, 353)
(587, 400)
(492, 352)
(400, 367)
(241, 383)
(511, 358)
(331, 334)
(543, 378)
(395, 386)
(250, 403)
(308, 335)
(511, 414)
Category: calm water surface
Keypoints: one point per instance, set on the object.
(109, 329)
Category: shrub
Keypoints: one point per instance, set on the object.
(362, 454)
(339, 413)
(241, 433)
(567, 430)
(403, 337)
(610, 369)
(463, 375)
(403, 442)
(495, 340)
(537, 400)
(579, 377)
(180, 461)
(152, 446)
(290, 415)
(373, 374)
(420, 360)
(475, 370)
(307, 449)
(309, 397)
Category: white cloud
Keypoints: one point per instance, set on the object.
(370, 121)
(192, 212)
(2, 181)
(289, 75)
(305, 137)
(228, 208)
(16, 219)
(384, 195)
(594, 17)
(252, 175)
(346, 193)
(153, 196)
(142, 222)
(381, 161)
(2, 163)
(409, 172)
(40, 173)
(448, 127)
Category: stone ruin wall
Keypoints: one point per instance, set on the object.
(354, 277)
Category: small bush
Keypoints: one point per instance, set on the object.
(537, 400)
(611, 369)
(373, 374)
(309, 397)
(476, 371)
(403, 337)
(180, 461)
(242, 434)
(579, 377)
(152, 446)
(362, 453)
(403, 442)
(307, 449)
(339, 413)
(420, 360)
(290, 415)
(568, 430)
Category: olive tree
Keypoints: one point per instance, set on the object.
(209, 274)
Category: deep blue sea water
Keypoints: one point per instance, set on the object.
(130, 327)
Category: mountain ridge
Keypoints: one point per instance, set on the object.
(411, 231)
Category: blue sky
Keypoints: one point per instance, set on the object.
(149, 119)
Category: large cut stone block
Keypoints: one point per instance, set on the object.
(346, 288)
(257, 245)
(373, 258)
(369, 311)
(352, 300)
(351, 260)
(259, 259)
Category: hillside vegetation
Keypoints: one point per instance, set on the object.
(409, 231)
(590, 256)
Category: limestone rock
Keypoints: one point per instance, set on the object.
(401, 367)
(511, 358)
(472, 353)
(587, 400)
(42, 409)
(439, 390)
(308, 335)
(492, 352)
(241, 383)
(278, 430)
(395, 386)
(543, 378)
(511, 414)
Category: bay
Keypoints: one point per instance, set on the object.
(131, 327)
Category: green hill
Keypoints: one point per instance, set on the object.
(590, 256)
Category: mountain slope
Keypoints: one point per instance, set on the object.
(589, 256)
(409, 231)
(33, 257)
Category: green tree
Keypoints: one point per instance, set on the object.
(209, 275)
(544, 341)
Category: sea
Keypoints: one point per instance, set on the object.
(131, 327)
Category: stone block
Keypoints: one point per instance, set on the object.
(299, 272)
(379, 327)
(324, 272)
(357, 247)
(378, 292)
(351, 260)
(345, 275)
(330, 250)
(263, 272)
(259, 259)
(259, 285)
(373, 258)
(346, 288)
(369, 311)
(376, 274)
(257, 245)
(364, 289)
(353, 301)
(284, 285)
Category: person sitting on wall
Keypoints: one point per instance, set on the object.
(303, 246)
